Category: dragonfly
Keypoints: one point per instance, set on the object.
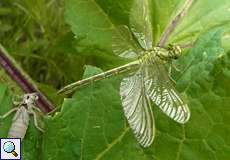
(150, 82)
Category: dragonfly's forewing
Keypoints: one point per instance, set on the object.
(137, 108)
(140, 23)
(123, 43)
(163, 94)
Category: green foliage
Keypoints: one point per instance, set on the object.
(35, 34)
(94, 21)
(91, 124)
(6, 80)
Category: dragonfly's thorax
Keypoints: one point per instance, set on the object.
(164, 54)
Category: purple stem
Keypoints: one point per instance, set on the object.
(174, 23)
(16, 74)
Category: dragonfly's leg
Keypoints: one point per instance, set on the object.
(170, 70)
(54, 110)
(170, 73)
(36, 122)
(16, 103)
(8, 113)
(176, 68)
(37, 109)
(172, 79)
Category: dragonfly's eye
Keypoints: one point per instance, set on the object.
(178, 49)
(174, 50)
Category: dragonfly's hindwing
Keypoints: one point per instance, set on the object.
(140, 23)
(123, 43)
(137, 109)
(168, 100)
(163, 94)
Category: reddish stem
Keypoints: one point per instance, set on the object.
(172, 25)
(23, 81)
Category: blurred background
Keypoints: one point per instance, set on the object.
(36, 35)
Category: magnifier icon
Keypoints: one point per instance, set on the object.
(9, 147)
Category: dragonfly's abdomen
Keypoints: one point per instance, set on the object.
(109, 73)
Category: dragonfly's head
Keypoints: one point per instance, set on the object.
(174, 51)
(30, 98)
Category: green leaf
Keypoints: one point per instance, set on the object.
(201, 17)
(92, 22)
(91, 125)
(89, 22)
(93, 31)
(226, 40)
(6, 104)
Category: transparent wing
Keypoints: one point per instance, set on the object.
(137, 108)
(123, 43)
(163, 94)
(140, 23)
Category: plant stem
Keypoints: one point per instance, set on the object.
(172, 25)
(23, 80)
